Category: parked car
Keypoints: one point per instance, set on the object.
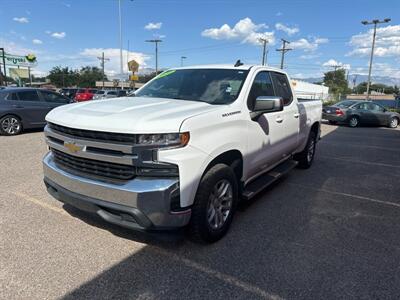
(354, 113)
(69, 92)
(84, 95)
(23, 108)
(184, 150)
(109, 94)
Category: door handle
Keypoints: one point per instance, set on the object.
(296, 115)
(279, 120)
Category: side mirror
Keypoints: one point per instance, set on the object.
(266, 104)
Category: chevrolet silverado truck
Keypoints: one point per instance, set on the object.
(183, 150)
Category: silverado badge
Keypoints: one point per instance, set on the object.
(71, 146)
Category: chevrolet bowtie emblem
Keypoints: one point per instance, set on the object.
(71, 146)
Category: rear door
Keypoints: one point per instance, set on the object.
(30, 107)
(53, 99)
(380, 115)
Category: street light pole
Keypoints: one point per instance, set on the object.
(375, 23)
(120, 42)
(4, 65)
(182, 58)
(156, 41)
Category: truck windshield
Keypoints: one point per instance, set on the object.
(214, 86)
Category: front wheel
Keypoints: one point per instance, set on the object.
(394, 122)
(306, 157)
(214, 205)
(10, 125)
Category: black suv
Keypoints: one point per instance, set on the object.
(23, 108)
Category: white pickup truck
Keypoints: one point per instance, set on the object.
(183, 150)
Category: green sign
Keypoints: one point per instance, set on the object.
(21, 61)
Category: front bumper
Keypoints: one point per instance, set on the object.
(141, 203)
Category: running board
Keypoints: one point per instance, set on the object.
(259, 184)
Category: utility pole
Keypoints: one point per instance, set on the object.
(283, 50)
(264, 42)
(4, 65)
(156, 41)
(102, 61)
(375, 23)
(182, 58)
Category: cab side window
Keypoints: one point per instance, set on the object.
(282, 87)
(28, 96)
(262, 86)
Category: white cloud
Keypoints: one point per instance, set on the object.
(244, 30)
(37, 42)
(288, 30)
(14, 48)
(332, 63)
(153, 26)
(21, 20)
(278, 14)
(308, 45)
(112, 67)
(58, 35)
(387, 42)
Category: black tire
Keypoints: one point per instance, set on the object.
(332, 122)
(10, 125)
(306, 157)
(354, 121)
(200, 228)
(394, 122)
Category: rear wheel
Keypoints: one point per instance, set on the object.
(354, 121)
(394, 122)
(214, 205)
(306, 157)
(10, 125)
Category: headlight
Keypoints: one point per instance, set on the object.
(174, 140)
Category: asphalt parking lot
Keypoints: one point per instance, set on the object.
(329, 232)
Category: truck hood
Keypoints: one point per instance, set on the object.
(128, 114)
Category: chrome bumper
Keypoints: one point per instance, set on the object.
(141, 203)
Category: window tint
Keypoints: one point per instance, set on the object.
(282, 87)
(262, 86)
(122, 93)
(362, 106)
(112, 93)
(28, 96)
(93, 91)
(375, 107)
(53, 97)
(8, 96)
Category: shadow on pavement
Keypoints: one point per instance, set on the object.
(324, 233)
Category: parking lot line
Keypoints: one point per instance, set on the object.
(361, 146)
(397, 205)
(194, 265)
(359, 161)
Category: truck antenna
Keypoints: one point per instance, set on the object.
(238, 63)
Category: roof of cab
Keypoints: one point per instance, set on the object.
(229, 66)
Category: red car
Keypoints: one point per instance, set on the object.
(84, 95)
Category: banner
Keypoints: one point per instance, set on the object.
(18, 73)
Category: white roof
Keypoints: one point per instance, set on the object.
(228, 66)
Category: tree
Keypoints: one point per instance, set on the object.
(89, 75)
(63, 77)
(147, 77)
(378, 87)
(337, 82)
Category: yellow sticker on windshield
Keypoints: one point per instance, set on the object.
(166, 73)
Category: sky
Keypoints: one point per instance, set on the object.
(322, 33)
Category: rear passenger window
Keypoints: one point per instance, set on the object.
(262, 86)
(10, 96)
(28, 96)
(282, 87)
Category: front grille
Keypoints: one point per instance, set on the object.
(93, 167)
(95, 135)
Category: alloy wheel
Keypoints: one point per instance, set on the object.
(11, 125)
(220, 204)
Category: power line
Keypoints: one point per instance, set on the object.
(283, 50)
